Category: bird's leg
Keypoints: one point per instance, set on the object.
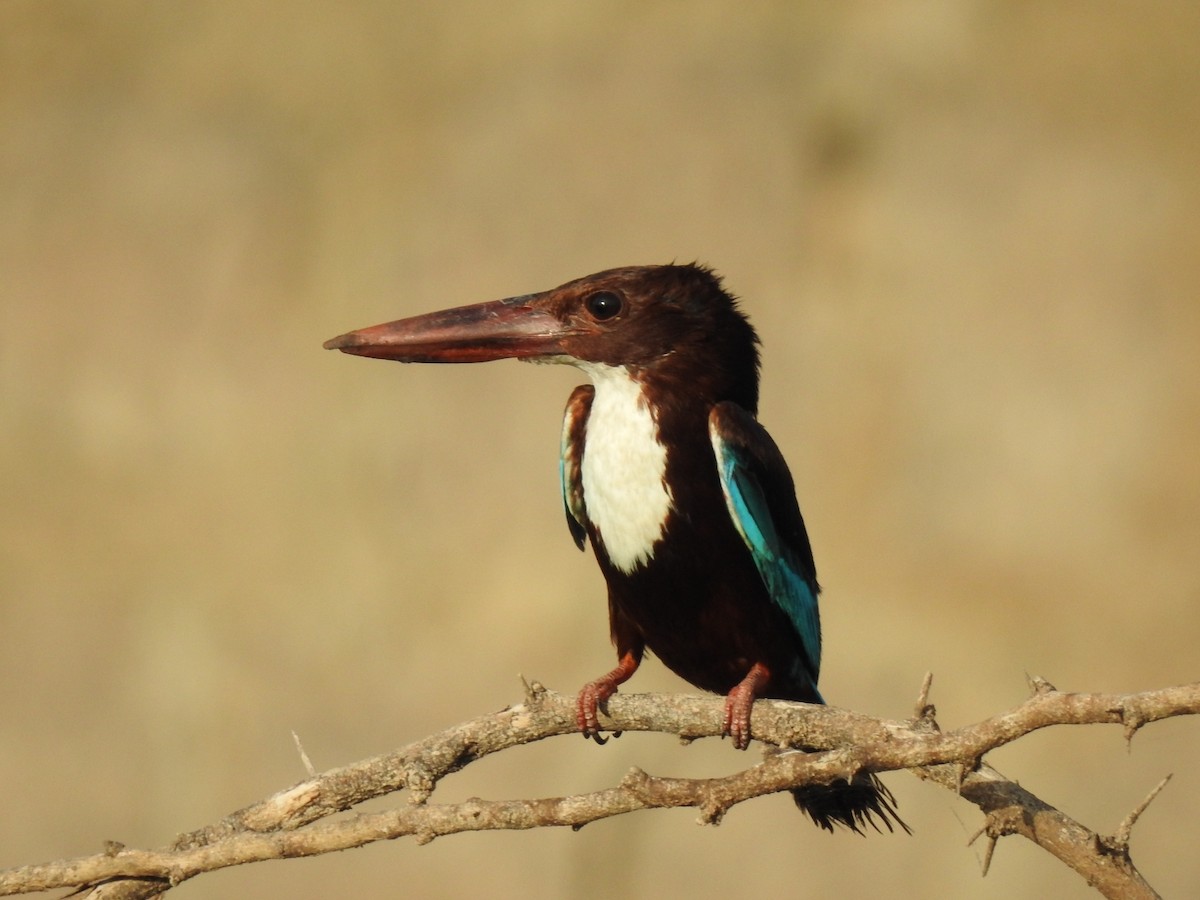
(596, 693)
(739, 702)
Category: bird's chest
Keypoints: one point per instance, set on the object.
(624, 474)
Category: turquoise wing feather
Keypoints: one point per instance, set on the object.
(761, 500)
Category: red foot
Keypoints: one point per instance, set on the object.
(596, 693)
(739, 702)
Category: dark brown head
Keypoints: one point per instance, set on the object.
(672, 326)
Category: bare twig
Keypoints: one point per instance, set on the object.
(288, 824)
(1120, 840)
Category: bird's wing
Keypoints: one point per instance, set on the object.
(569, 472)
(761, 499)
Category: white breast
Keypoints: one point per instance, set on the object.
(623, 469)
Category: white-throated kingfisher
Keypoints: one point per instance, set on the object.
(687, 501)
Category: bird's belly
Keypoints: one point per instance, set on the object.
(709, 624)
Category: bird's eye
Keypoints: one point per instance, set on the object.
(603, 305)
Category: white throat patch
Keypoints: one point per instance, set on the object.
(623, 468)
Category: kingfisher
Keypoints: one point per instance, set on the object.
(688, 503)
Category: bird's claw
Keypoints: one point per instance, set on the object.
(739, 702)
(594, 695)
(587, 706)
(736, 724)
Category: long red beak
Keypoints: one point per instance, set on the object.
(518, 327)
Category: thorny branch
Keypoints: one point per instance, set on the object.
(289, 823)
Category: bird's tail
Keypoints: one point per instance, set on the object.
(863, 801)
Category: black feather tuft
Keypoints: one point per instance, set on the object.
(864, 801)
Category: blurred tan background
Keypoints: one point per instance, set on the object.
(967, 232)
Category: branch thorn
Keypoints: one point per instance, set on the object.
(712, 810)
(1132, 722)
(925, 712)
(535, 691)
(993, 840)
(304, 760)
(1039, 685)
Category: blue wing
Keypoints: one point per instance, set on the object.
(761, 499)
(569, 472)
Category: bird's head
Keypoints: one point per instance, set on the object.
(665, 324)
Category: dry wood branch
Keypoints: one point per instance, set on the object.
(288, 824)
